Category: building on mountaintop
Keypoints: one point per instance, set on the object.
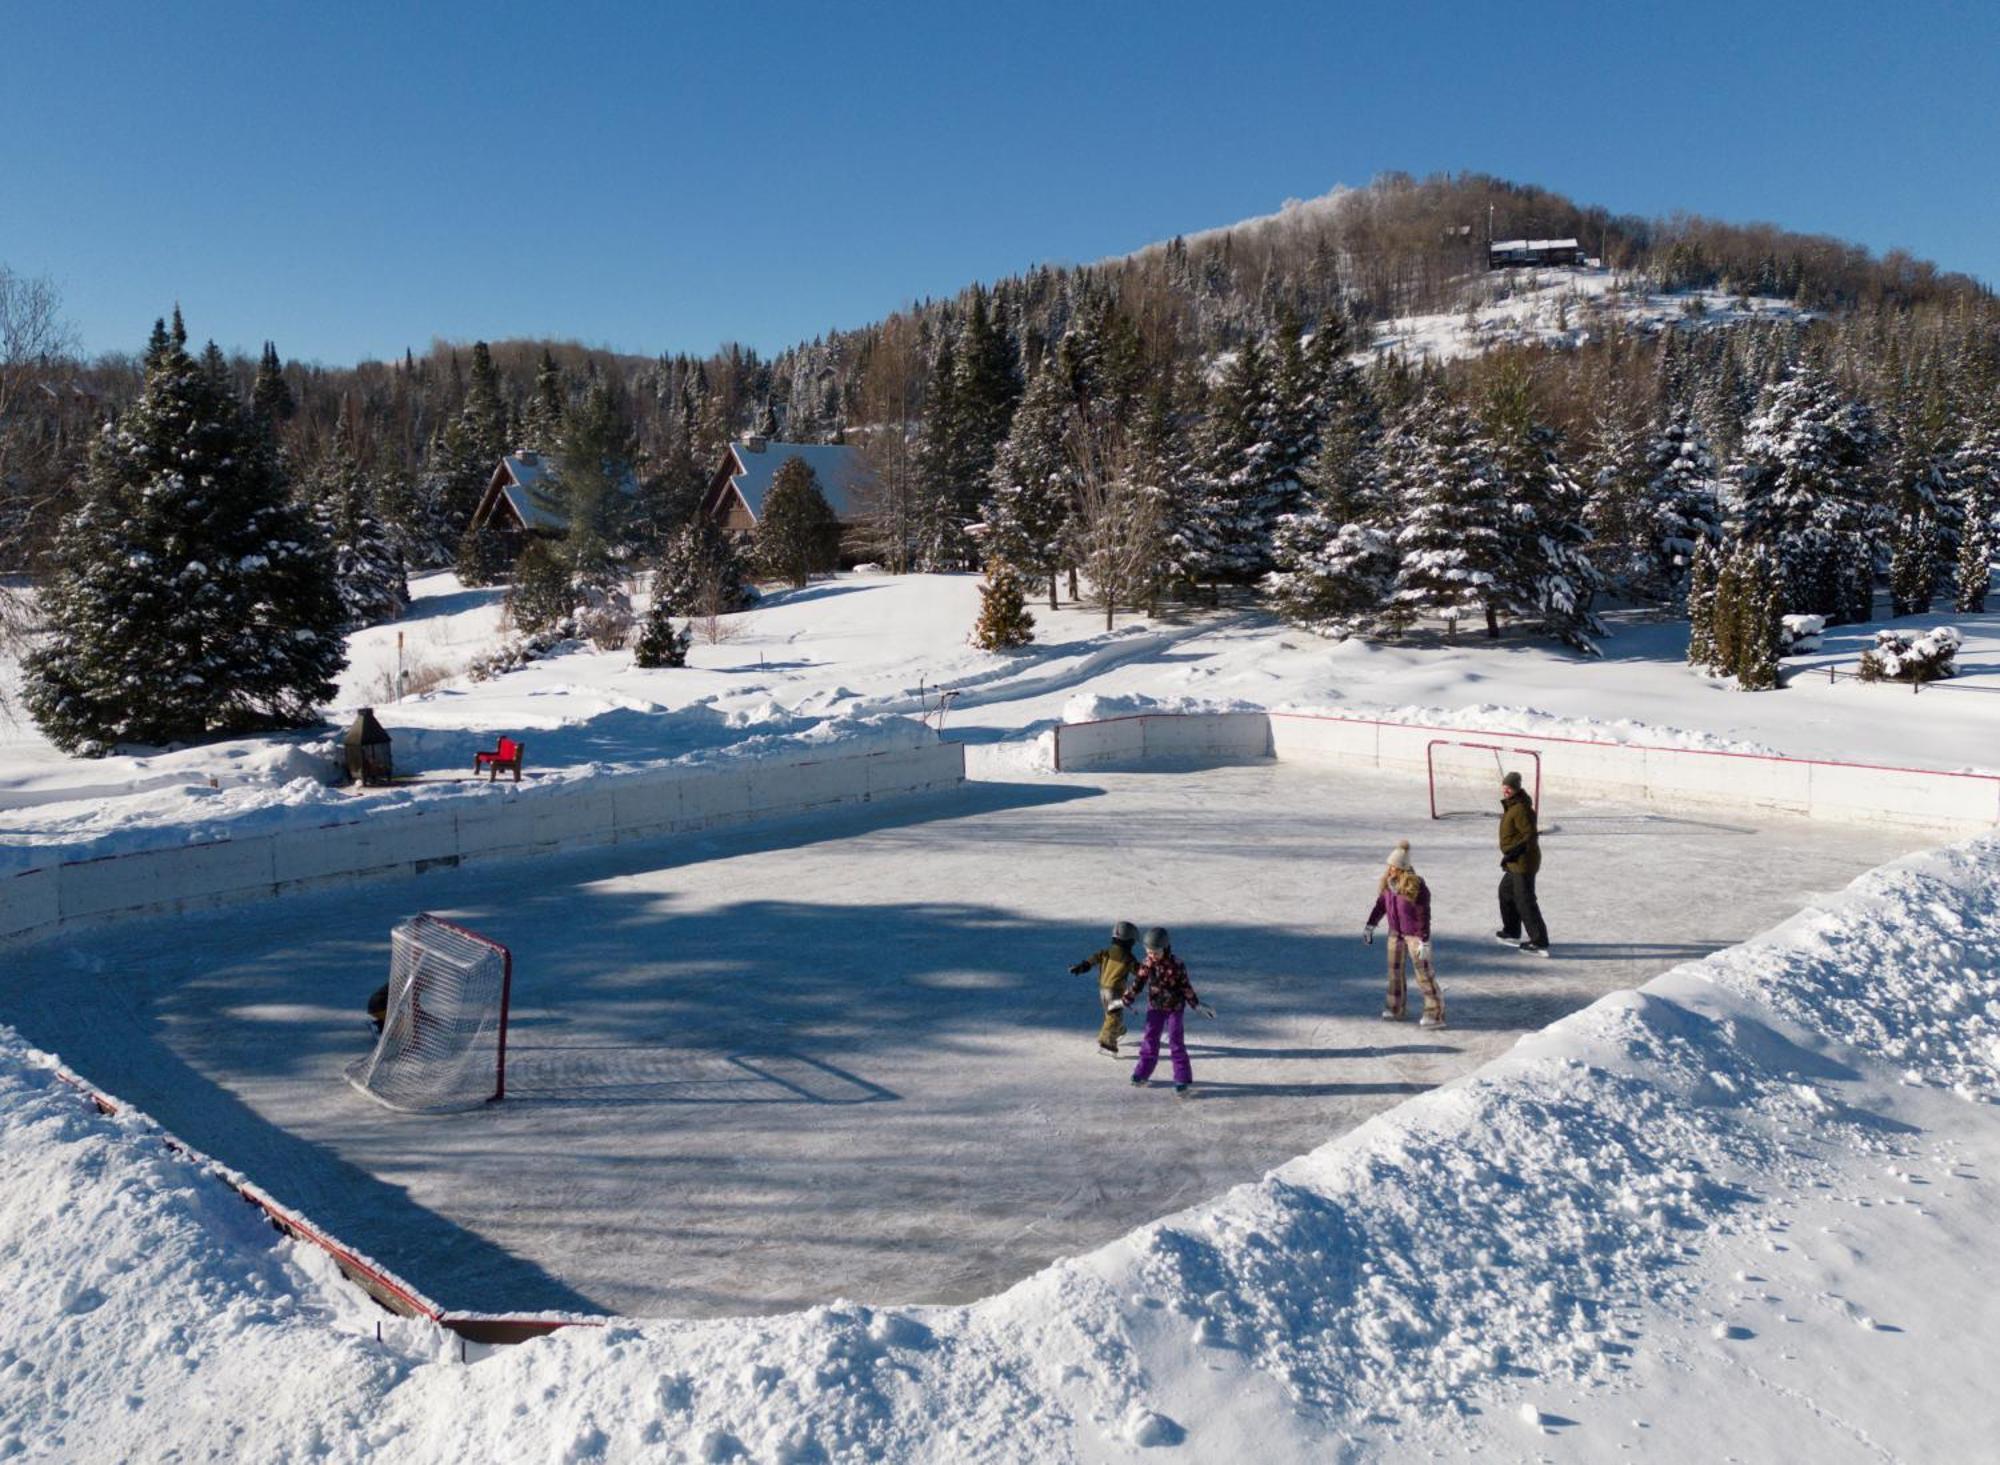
(1510, 254)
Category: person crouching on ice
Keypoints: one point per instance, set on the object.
(1168, 994)
(1403, 897)
(1115, 966)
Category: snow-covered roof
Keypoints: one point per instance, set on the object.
(1518, 245)
(837, 467)
(526, 481)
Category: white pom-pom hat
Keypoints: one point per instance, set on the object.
(1399, 857)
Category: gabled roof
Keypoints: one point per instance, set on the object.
(837, 467)
(527, 481)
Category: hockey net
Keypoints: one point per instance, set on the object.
(1465, 776)
(444, 1037)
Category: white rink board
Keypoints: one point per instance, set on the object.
(508, 821)
(1939, 803)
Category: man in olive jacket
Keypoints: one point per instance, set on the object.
(1521, 858)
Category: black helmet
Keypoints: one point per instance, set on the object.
(1124, 931)
(1157, 939)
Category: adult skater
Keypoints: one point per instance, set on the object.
(1115, 965)
(1168, 994)
(1521, 859)
(1402, 896)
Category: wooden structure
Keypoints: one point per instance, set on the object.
(1514, 254)
(522, 499)
(507, 755)
(740, 483)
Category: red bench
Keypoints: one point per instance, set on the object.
(507, 755)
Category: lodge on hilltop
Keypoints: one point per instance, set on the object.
(1513, 254)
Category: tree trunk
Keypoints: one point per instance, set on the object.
(1073, 595)
(1110, 606)
(1492, 624)
(1053, 603)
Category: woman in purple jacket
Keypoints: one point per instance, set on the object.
(1403, 897)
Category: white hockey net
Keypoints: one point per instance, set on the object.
(1465, 777)
(444, 1038)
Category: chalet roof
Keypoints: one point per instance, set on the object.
(837, 466)
(526, 481)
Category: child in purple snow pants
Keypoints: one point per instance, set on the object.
(1173, 1024)
(1169, 994)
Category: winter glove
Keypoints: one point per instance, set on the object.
(1503, 862)
(1079, 969)
(1420, 950)
(1367, 935)
(1206, 1011)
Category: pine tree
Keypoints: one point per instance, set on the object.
(548, 405)
(542, 593)
(660, 645)
(1913, 564)
(271, 400)
(1545, 578)
(1731, 594)
(1450, 549)
(1028, 510)
(484, 415)
(935, 511)
(1004, 621)
(368, 568)
(1701, 605)
(700, 573)
(189, 596)
(1802, 489)
(1243, 484)
(1977, 474)
(1679, 506)
(481, 558)
(1759, 636)
(593, 474)
(798, 536)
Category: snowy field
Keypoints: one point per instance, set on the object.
(842, 1057)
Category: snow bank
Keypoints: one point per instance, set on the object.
(1724, 1207)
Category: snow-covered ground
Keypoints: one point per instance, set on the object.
(866, 645)
(1741, 1212)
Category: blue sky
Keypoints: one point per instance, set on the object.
(350, 178)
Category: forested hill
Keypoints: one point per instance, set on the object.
(933, 390)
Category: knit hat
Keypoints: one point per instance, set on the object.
(1399, 857)
(1511, 780)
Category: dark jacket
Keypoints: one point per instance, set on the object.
(1166, 982)
(1520, 847)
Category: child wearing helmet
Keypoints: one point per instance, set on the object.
(1404, 898)
(1115, 965)
(1168, 994)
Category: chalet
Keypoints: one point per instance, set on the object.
(521, 498)
(735, 497)
(1512, 254)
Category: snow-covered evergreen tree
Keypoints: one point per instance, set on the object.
(593, 468)
(1913, 564)
(188, 594)
(548, 405)
(1802, 489)
(1758, 615)
(1244, 483)
(1679, 509)
(1003, 621)
(368, 568)
(661, 644)
(1976, 474)
(798, 536)
(1028, 510)
(1547, 579)
(700, 573)
(1451, 550)
(271, 400)
(1701, 605)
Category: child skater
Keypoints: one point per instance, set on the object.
(1403, 897)
(1115, 965)
(1168, 993)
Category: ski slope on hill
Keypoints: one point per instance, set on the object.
(1741, 1212)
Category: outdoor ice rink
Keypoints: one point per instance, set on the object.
(841, 1056)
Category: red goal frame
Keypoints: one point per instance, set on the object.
(1430, 765)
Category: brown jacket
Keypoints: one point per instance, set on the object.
(1517, 833)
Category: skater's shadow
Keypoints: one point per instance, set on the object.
(1207, 1050)
(1647, 951)
(1225, 1089)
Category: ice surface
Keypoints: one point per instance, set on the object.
(842, 1058)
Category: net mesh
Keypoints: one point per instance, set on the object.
(1465, 778)
(443, 1037)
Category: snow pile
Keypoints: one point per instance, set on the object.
(611, 743)
(1743, 1205)
(1801, 634)
(1899, 656)
(1101, 707)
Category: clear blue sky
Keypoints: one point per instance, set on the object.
(348, 179)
